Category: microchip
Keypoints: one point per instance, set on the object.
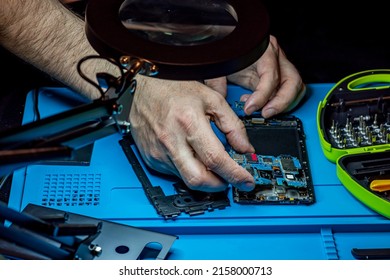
(288, 164)
(252, 158)
(264, 174)
(239, 158)
(290, 176)
(268, 160)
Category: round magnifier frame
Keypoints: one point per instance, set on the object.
(236, 51)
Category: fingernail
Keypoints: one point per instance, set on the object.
(268, 112)
(250, 109)
(244, 98)
(246, 186)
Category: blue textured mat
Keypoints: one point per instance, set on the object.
(108, 189)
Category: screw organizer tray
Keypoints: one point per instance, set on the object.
(353, 123)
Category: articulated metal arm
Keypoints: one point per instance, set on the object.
(56, 137)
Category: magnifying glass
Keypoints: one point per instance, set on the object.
(184, 39)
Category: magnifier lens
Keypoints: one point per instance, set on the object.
(178, 22)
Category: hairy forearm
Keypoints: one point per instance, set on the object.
(47, 35)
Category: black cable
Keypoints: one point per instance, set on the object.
(120, 67)
(37, 114)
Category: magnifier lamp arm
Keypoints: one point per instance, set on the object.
(52, 238)
(122, 89)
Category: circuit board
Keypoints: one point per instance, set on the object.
(278, 179)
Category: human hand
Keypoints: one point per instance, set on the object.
(276, 84)
(171, 120)
(171, 126)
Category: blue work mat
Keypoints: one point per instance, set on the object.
(327, 229)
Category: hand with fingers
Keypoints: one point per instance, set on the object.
(171, 126)
(171, 120)
(276, 84)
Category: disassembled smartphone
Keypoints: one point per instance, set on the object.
(184, 200)
(280, 165)
(280, 168)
